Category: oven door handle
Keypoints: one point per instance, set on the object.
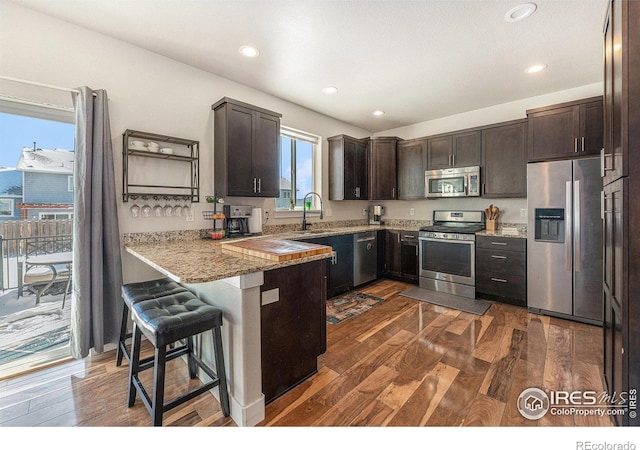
(450, 241)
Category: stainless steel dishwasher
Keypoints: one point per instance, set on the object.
(365, 257)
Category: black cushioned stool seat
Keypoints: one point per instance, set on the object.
(163, 321)
(133, 293)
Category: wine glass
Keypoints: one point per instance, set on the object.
(168, 209)
(135, 210)
(177, 210)
(146, 209)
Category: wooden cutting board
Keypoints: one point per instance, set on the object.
(276, 249)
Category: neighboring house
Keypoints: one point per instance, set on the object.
(10, 193)
(284, 200)
(47, 186)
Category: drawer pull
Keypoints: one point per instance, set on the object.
(498, 257)
(498, 243)
(408, 236)
(499, 280)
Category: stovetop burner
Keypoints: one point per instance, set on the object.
(457, 228)
(461, 222)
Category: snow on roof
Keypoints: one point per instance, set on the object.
(43, 160)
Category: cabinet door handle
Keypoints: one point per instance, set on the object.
(499, 280)
(254, 185)
(393, 192)
(453, 160)
(575, 145)
(498, 243)
(583, 149)
(449, 161)
(603, 164)
(259, 185)
(357, 192)
(498, 257)
(408, 236)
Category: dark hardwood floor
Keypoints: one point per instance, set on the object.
(402, 363)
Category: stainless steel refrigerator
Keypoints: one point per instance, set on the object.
(564, 239)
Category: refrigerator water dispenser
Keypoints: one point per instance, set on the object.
(549, 225)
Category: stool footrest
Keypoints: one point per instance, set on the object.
(147, 363)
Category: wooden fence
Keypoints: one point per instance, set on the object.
(16, 233)
(19, 238)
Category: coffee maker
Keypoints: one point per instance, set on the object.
(376, 216)
(237, 220)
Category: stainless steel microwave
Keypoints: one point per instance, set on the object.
(453, 182)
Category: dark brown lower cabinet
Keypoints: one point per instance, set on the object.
(409, 259)
(501, 269)
(401, 255)
(293, 325)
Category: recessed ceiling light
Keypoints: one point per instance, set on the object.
(520, 12)
(329, 90)
(378, 113)
(535, 68)
(248, 51)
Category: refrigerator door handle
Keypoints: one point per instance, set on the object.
(576, 225)
(568, 225)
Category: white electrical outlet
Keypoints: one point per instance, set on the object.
(412, 211)
(364, 212)
(329, 212)
(190, 216)
(523, 212)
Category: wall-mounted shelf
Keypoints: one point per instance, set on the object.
(184, 151)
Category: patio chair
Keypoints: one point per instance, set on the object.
(39, 278)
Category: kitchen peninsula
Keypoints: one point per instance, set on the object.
(255, 295)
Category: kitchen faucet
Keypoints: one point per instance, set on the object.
(304, 209)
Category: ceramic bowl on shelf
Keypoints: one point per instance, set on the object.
(166, 150)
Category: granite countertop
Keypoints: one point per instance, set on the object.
(203, 260)
(186, 257)
(507, 233)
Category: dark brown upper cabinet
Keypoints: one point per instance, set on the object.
(504, 159)
(382, 168)
(412, 162)
(348, 168)
(246, 150)
(566, 130)
(460, 149)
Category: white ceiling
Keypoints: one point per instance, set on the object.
(415, 59)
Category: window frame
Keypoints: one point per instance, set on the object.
(12, 209)
(314, 140)
(69, 183)
(55, 215)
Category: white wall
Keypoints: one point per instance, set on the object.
(147, 92)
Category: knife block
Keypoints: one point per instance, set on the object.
(491, 225)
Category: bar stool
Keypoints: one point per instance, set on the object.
(163, 321)
(133, 293)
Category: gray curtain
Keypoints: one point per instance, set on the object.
(97, 265)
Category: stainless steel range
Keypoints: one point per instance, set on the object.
(448, 253)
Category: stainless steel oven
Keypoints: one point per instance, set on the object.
(448, 254)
